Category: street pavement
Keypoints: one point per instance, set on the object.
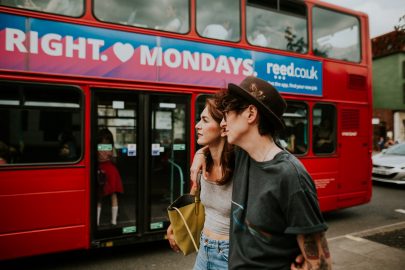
(353, 252)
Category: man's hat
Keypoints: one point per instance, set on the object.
(264, 96)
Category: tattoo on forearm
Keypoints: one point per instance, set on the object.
(324, 245)
(311, 247)
(323, 264)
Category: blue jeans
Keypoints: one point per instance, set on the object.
(212, 255)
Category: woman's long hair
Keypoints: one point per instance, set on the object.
(227, 160)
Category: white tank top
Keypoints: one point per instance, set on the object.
(217, 202)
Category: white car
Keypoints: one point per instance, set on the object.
(389, 165)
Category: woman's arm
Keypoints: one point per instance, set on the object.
(170, 237)
(198, 164)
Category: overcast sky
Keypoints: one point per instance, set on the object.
(382, 14)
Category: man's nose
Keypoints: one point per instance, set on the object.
(223, 123)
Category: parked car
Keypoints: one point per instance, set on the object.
(389, 165)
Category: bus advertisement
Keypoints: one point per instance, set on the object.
(88, 51)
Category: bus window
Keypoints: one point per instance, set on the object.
(324, 129)
(336, 35)
(219, 19)
(171, 16)
(73, 8)
(40, 123)
(295, 134)
(280, 25)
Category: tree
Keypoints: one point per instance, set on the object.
(401, 24)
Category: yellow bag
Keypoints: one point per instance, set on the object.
(187, 217)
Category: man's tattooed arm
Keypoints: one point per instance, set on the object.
(314, 248)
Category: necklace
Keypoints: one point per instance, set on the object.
(267, 153)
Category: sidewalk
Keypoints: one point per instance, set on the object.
(352, 252)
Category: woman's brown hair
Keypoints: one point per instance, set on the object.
(227, 160)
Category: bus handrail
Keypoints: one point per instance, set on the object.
(181, 179)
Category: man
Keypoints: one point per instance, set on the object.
(275, 214)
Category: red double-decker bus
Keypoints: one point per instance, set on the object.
(142, 69)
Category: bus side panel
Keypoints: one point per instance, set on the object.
(346, 82)
(38, 242)
(44, 206)
(355, 156)
(324, 172)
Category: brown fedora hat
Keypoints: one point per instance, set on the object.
(264, 96)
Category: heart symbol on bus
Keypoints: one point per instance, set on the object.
(123, 51)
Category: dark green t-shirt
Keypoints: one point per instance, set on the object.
(272, 202)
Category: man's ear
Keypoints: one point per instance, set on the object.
(252, 114)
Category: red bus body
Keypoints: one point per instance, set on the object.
(49, 206)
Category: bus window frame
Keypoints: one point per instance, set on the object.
(238, 41)
(308, 125)
(50, 13)
(360, 45)
(283, 12)
(97, 19)
(335, 128)
(81, 111)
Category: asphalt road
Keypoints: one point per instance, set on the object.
(383, 210)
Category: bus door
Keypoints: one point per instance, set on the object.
(136, 176)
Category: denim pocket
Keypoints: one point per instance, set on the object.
(224, 253)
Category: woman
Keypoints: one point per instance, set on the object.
(106, 167)
(216, 191)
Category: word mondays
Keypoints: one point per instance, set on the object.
(55, 45)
